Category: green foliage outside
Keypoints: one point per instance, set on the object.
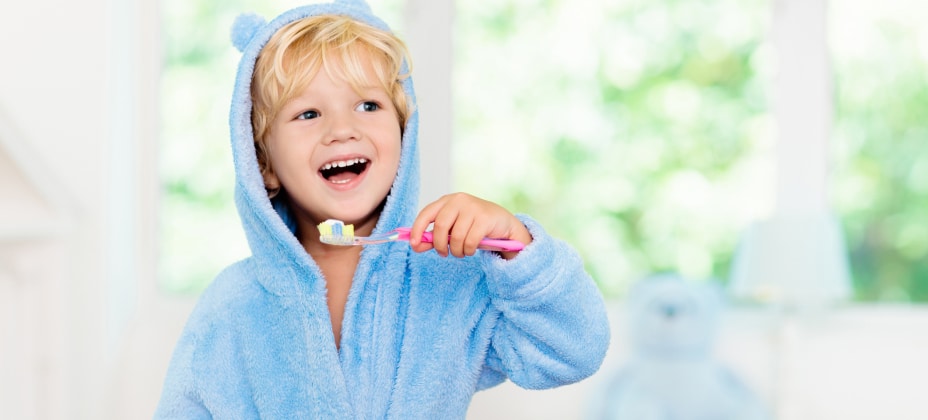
(881, 139)
(630, 128)
(637, 130)
(197, 211)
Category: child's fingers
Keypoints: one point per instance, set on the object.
(478, 231)
(445, 220)
(459, 222)
(423, 219)
(461, 241)
(442, 217)
(465, 237)
(422, 246)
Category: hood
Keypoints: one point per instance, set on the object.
(267, 224)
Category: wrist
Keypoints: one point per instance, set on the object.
(521, 234)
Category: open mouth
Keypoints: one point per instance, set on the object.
(343, 171)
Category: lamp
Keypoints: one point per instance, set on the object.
(792, 261)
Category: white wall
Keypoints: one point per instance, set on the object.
(52, 95)
(74, 126)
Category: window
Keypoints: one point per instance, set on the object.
(880, 52)
(632, 129)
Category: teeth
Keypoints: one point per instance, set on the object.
(343, 163)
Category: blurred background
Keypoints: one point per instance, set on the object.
(773, 148)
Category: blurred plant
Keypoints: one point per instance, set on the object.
(631, 129)
(197, 211)
(881, 130)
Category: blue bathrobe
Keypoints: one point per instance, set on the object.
(421, 333)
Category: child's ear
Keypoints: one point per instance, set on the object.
(271, 182)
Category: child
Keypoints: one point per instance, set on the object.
(324, 127)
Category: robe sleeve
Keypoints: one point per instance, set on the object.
(552, 329)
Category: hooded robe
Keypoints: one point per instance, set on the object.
(420, 334)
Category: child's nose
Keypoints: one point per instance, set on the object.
(342, 127)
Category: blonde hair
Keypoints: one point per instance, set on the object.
(336, 44)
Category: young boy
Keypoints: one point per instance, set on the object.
(324, 127)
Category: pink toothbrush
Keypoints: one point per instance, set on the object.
(336, 232)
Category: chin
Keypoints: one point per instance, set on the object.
(358, 218)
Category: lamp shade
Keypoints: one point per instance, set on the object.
(798, 260)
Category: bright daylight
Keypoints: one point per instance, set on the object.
(719, 209)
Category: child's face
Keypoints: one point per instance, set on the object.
(335, 150)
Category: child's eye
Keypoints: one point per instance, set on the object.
(368, 106)
(308, 115)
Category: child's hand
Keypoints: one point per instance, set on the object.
(461, 221)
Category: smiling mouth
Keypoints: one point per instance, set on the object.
(343, 171)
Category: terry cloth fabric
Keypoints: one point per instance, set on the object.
(421, 333)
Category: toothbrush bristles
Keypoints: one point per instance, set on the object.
(336, 232)
(336, 240)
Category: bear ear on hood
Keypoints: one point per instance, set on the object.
(247, 25)
(244, 29)
(358, 4)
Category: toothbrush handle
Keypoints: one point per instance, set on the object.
(488, 244)
(510, 245)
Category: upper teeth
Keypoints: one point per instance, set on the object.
(343, 163)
